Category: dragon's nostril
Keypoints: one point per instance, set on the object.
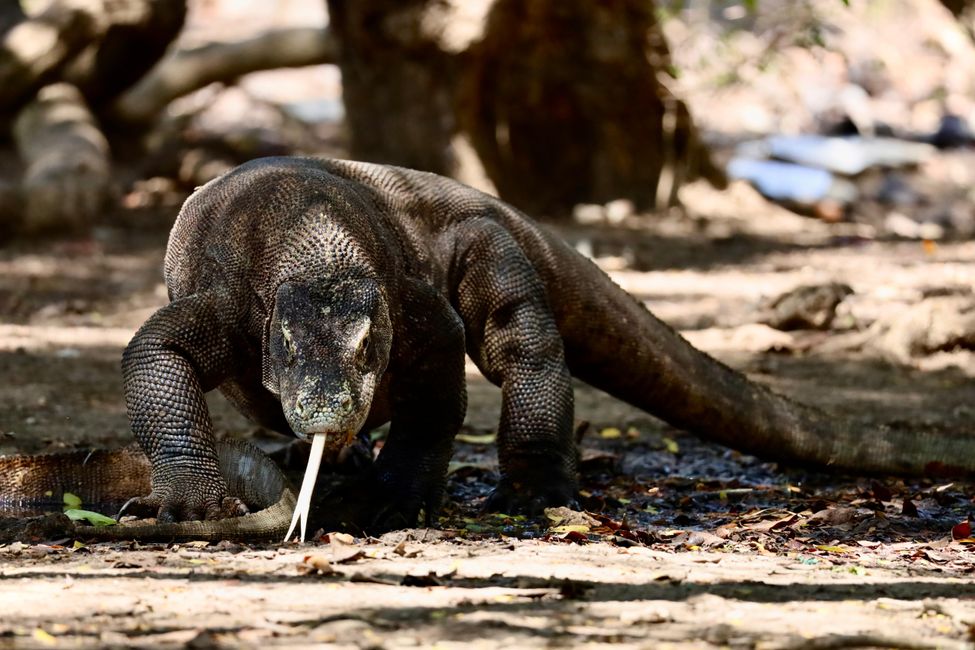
(299, 407)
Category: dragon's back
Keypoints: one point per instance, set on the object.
(268, 220)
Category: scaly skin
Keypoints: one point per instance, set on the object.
(104, 480)
(325, 296)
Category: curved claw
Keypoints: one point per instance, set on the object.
(394, 515)
(509, 498)
(173, 508)
(146, 506)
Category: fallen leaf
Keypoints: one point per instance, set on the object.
(961, 531)
(881, 492)
(570, 529)
(563, 516)
(571, 590)
(429, 580)
(316, 564)
(838, 516)
(71, 501)
(610, 433)
(343, 551)
(705, 539)
(122, 564)
(403, 552)
(454, 466)
(725, 531)
(832, 549)
(909, 509)
(773, 524)
(476, 439)
(43, 637)
(93, 518)
(671, 445)
(362, 577)
(575, 536)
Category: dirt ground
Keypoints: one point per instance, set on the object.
(686, 544)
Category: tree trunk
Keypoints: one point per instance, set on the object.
(56, 69)
(99, 46)
(188, 70)
(68, 178)
(958, 7)
(397, 83)
(10, 14)
(137, 34)
(557, 102)
(34, 50)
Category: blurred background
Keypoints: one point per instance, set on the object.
(551, 105)
(788, 183)
(777, 179)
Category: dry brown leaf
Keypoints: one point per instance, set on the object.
(316, 564)
(343, 551)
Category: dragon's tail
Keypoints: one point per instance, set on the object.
(615, 344)
(105, 479)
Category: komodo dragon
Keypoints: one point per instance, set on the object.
(324, 296)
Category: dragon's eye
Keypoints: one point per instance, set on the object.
(363, 351)
(289, 344)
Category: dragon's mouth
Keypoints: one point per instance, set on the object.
(333, 438)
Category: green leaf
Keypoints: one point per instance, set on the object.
(832, 549)
(71, 501)
(93, 518)
(571, 528)
(473, 439)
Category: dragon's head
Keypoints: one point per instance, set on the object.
(326, 348)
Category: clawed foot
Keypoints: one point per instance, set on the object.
(185, 505)
(531, 498)
(374, 506)
(396, 513)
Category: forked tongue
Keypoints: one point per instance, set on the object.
(307, 486)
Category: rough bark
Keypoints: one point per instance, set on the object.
(559, 102)
(957, 7)
(964, 12)
(10, 15)
(136, 35)
(68, 178)
(397, 83)
(99, 46)
(188, 70)
(33, 51)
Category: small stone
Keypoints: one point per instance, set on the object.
(588, 214)
(619, 210)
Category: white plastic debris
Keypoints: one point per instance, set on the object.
(847, 155)
(787, 182)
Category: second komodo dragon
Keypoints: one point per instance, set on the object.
(323, 297)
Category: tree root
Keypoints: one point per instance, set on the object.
(68, 176)
(188, 70)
